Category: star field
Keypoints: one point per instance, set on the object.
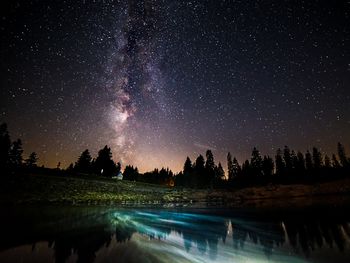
(160, 80)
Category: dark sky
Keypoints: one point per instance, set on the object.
(160, 80)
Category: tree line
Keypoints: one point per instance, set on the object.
(287, 166)
(11, 152)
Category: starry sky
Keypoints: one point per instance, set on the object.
(161, 80)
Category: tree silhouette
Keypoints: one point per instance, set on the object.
(308, 161)
(236, 169)
(267, 166)
(5, 145)
(317, 159)
(209, 169)
(188, 172)
(327, 162)
(83, 165)
(335, 162)
(287, 160)
(104, 163)
(130, 173)
(280, 166)
(15, 154)
(300, 164)
(256, 162)
(32, 160)
(199, 170)
(342, 155)
(230, 172)
(219, 174)
(246, 169)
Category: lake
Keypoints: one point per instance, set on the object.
(99, 234)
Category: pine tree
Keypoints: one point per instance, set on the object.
(209, 169)
(256, 162)
(104, 163)
(83, 164)
(131, 173)
(335, 162)
(219, 173)
(280, 166)
(267, 166)
(188, 172)
(342, 155)
(32, 160)
(70, 168)
(15, 154)
(236, 169)
(317, 158)
(327, 162)
(230, 172)
(287, 160)
(308, 161)
(246, 169)
(5, 145)
(199, 170)
(300, 165)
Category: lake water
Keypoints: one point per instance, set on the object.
(76, 234)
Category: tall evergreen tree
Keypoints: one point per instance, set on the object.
(236, 169)
(280, 166)
(300, 164)
(32, 160)
(199, 170)
(83, 164)
(229, 167)
(5, 145)
(287, 160)
(188, 172)
(15, 154)
(308, 161)
(317, 158)
(219, 174)
(327, 162)
(256, 162)
(335, 162)
(209, 169)
(342, 155)
(246, 169)
(267, 166)
(131, 173)
(104, 163)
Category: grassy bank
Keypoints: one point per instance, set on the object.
(41, 189)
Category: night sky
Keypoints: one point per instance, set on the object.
(160, 80)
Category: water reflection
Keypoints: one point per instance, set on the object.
(109, 235)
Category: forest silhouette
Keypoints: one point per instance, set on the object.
(286, 167)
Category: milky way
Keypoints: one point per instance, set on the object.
(134, 77)
(160, 80)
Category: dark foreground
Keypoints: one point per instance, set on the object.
(104, 234)
(80, 191)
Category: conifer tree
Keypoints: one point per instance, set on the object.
(230, 172)
(308, 161)
(280, 166)
(5, 145)
(317, 158)
(15, 154)
(188, 172)
(342, 155)
(209, 169)
(104, 163)
(32, 160)
(83, 164)
(256, 162)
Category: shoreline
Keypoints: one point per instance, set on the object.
(17, 190)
